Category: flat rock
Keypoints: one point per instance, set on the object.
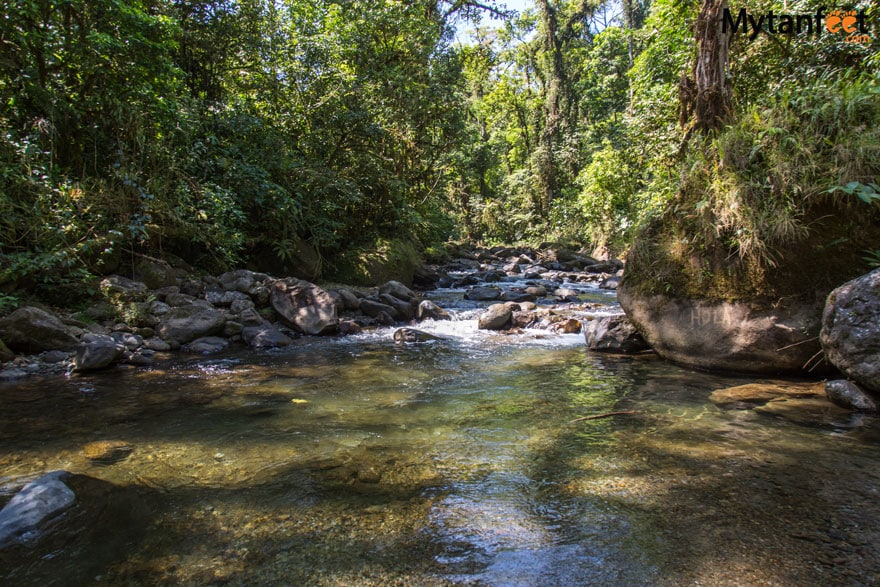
(107, 451)
(755, 394)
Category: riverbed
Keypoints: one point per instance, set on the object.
(358, 461)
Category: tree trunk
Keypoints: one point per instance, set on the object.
(705, 96)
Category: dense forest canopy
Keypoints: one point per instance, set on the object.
(227, 132)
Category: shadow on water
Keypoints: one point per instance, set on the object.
(370, 463)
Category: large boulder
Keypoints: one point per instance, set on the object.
(97, 351)
(850, 333)
(35, 505)
(497, 316)
(613, 334)
(187, 323)
(304, 306)
(735, 336)
(32, 330)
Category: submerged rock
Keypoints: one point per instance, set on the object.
(850, 333)
(35, 504)
(411, 335)
(107, 451)
(756, 394)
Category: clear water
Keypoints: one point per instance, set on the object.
(357, 461)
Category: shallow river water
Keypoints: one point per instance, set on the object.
(356, 461)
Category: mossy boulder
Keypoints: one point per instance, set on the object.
(385, 260)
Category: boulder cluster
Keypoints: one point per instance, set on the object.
(197, 315)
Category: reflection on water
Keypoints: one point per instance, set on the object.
(360, 462)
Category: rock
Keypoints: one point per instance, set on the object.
(37, 502)
(129, 340)
(613, 334)
(53, 357)
(373, 308)
(754, 394)
(349, 300)
(539, 291)
(32, 330)
(610, 282)
(565, 292)
(157, 344)
(810, 410)
(497, 316)
(567, 326)
(177, 300)
(240, 280)
(347, 327)
(163, 292)
(483, 293)
(428, 310)
(5, 353)
(518, 297)
(264, 336)
(123, 288)
(206, 345)
(734, 336)
(107, 451)
(223, 298)
(398, 290)
(155, 273)
(304, 306)
(849, 395)
(158, 308)
(97, 352)
(850, 334)
(231, 328)
(188, 323)
(141, 357)
(100, 312)
(411, 335)
(426, 277)
(405, 310)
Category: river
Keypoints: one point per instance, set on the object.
(357, 461)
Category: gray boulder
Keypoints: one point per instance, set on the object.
(123, 288)
(373, 309)
(224, 298)
(304, 306)
(265, 336)
(188, 323)
(849, 395)
(428, 310)
(718, 334)
(497, 316)
(850, 334)
(32, 330)
(483, 293)
(97, 352)
(240, 280)
(613, 334)
(405, 310)
(398, 290)
(206, 345)
(37, 502)
(349, 300)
